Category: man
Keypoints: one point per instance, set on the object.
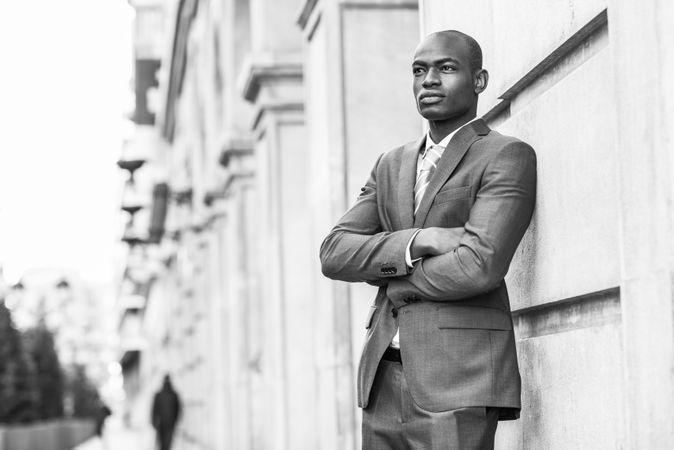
(435, 227)
(165, 413)
(102, 413)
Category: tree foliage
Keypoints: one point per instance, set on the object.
(33, 384)
(18, 390)
(84, 396)
(39, 343)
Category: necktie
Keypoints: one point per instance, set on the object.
(429, 163)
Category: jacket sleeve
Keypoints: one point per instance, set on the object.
(496, 223)
(357, 248)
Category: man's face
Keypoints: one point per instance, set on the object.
(443, 80)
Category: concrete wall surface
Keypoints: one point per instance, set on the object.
(54, 435)
(560, 87)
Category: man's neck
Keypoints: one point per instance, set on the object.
(440, 129)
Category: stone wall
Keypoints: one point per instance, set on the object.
(557, 82)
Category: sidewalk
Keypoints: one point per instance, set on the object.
(118, 437)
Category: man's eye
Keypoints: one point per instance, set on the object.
(447, 68)
(417, 70)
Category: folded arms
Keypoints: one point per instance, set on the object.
(457, 262)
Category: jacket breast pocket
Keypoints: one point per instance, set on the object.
(450, 208)
(453, 193)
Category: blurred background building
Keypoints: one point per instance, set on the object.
(257, 121)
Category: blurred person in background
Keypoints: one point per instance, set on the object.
(165, 413)
(102, 414)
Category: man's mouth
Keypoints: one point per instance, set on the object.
(430, 99)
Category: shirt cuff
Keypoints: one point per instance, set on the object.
(408, 256)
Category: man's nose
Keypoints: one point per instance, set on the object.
(431, 78)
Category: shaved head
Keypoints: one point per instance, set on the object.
(474, 50)
(447, 80)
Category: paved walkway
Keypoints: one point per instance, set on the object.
(118, 437)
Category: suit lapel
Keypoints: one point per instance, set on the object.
(406, 180)
(456, 149)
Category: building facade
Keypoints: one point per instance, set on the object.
(268, 117)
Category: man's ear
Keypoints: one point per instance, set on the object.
(480, 80)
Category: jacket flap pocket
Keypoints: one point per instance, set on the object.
(474, 317)
(453, 193)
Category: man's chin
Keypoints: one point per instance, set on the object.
(439, 112)
(430, 113)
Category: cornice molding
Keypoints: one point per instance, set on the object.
(233, 148)
(292, 106)
(259, 69)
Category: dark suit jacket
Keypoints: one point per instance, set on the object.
(456, 337)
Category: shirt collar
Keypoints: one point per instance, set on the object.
(445, 142)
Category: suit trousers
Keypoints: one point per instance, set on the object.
(392, 420)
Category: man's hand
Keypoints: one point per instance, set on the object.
(435, 241)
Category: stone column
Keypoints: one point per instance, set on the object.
(237, 298)
(283, 394)
(218, 357)
(642, 42)
(227, 40)
(359, 105)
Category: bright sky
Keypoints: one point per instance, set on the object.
(64, 91)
